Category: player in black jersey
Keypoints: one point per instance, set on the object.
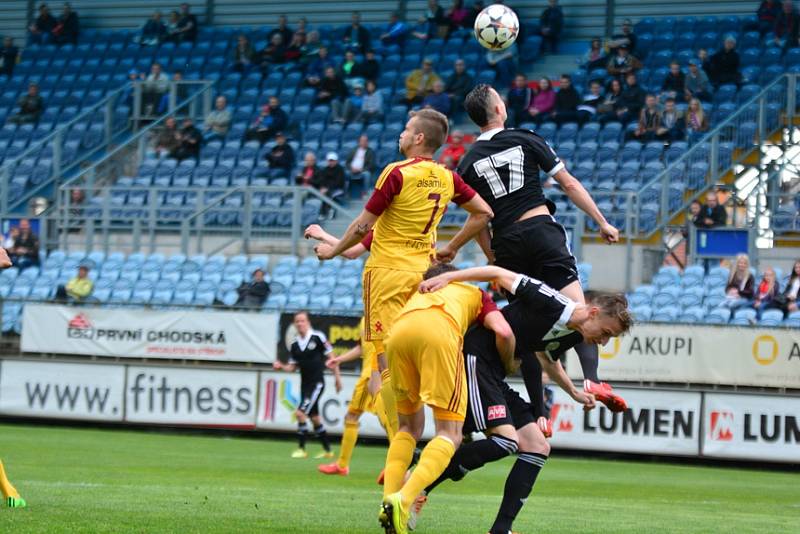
(309, 351)
(549, 323)
(503, 167)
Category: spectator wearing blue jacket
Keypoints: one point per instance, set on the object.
(154, 30)
(438, 99)
(270, 121)
(316, 69)
(396, 31)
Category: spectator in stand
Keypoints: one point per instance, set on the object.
(592, 100)
(695, 213)
(9, 55)
(78, 289)
(181, 94)
(632, 99)
(675, 82)
(696, 121)
(724, 65)
(272, 54)
(438, 99)
(348, 70)
(595, 57)
(697, 84)
(283, 30)
(330, 181)
(551, 22)
(473, 13)
(705, 64)
(155, 86)
(456, 16)
(356, 37)
(218, 121)
(786, 26)
(740, 287)
(370, 68)
(455, 150)
(504, 64)
(608, 109)
(40, 32)
(518, 101)
(436, 23)
(567, 102)
(767, 293)
(302, 26)
(792, 291)
(622, 63)
(649, 120)
(310, 50)
(767, 14)
(419, 82)
(173, 33)
(542, 103)
(187, 25)
(9, 239)
(270, 121)
(316, 70)
(371, 104)
(361, 163)
(672, 126)
(30, 105)
(254, 293)
(244, 56)
(294, 51)
(712, 214)
(280, 159)
(190, 141)
(626, 38)
(154, 30)
(67, 28)
(396, 31)
(345, 111)
(458, 85)
(167, 140)
(26, 247)
(331, 88)
(307, 176)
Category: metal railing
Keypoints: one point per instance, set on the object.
(143, 214)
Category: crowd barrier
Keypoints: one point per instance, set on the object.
(661, 421)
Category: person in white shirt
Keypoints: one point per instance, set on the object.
(155, 86)
(360, 163)
(218, 120)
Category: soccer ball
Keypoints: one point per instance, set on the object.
(496, 27)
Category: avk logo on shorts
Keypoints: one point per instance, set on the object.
(496, 412)
(79, 327)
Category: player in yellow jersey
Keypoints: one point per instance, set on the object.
(361, 401)
(424, 353)
(404, 212)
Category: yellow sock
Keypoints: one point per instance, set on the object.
(432, 462)
(6, 487)
(383, 417)
(348, 443)
(389, 404)
(401, 451)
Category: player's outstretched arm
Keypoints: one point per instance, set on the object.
(489, 273)
(557, 374)
(505, 341)
(484, 239)
(5, 261)
(359, 228)
(479, 216)
(316, 232)
(286, 367)
(581, 198)
(349, 356)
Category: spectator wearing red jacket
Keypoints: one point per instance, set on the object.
(454, 151)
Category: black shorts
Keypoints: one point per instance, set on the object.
(310, 394)
(537, 247)
(492, 402)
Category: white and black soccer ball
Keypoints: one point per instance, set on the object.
(496, 27)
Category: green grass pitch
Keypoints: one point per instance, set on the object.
(89, 480)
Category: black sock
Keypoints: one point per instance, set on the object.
(519, 484)
(589, 355)
(475, 455)
(302, 433)
(531, 371)
(415, 457)
(323, 437)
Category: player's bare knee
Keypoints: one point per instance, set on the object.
(301, 416)
(531, 439)
(506, 431)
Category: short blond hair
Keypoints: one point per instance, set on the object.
(433, 125)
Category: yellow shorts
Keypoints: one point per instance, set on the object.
(361, 401)
(386, 291)
(426, 364)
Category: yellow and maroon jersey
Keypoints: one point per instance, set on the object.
(462, 303)
(410, 199)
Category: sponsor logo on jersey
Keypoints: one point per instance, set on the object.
(496, 412)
